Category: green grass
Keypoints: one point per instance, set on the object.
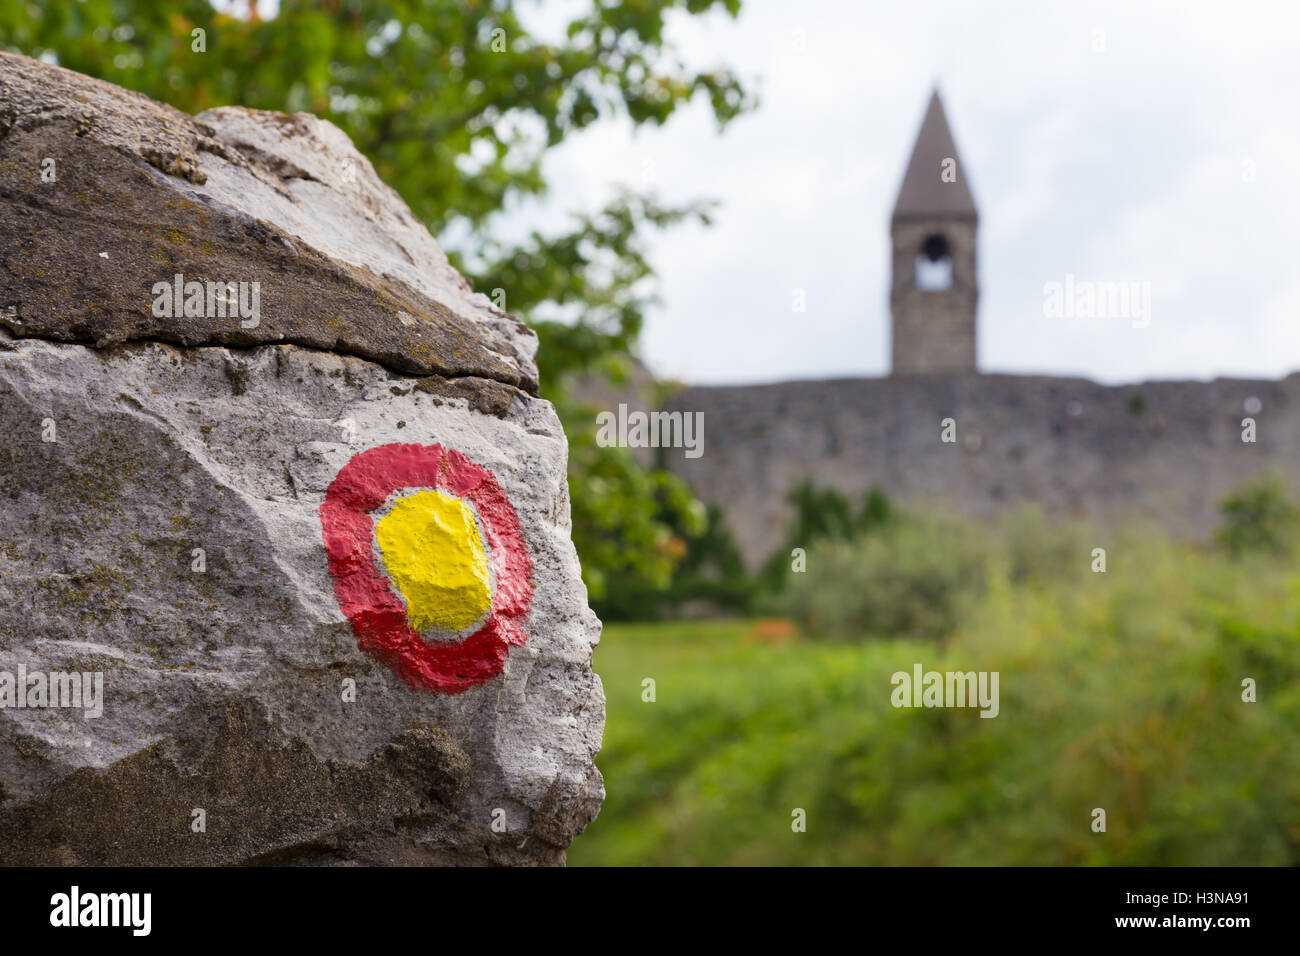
(1118, 690)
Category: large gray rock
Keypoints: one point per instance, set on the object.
(131, 440)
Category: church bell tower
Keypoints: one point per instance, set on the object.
(934, 294)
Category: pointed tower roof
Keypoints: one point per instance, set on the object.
(923, 194)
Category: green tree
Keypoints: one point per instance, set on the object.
(456, 103)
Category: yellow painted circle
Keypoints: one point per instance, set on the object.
(434, 554)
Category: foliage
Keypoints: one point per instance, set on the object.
(713, 570)
(915, 576)
(1259, 517)
(1037, 553)
(456, 104)
(1119, 690)
(629, 521)
(823, 514)
(710, 578)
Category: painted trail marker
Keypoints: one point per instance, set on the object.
(424, 546)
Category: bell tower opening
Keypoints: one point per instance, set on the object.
(933, 270)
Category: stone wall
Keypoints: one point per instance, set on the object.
(1169, 450)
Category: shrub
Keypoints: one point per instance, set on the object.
(915, 576)
(1039, 553)
(822, 514)
(1258, 517)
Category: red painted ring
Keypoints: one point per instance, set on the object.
(365, 594)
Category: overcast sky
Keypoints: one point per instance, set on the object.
(1171, 156)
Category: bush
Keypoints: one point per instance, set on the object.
(1258, 518)
(1035, 552)
(915, 576)
(823, 514)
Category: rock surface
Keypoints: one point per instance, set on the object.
(162, 481)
